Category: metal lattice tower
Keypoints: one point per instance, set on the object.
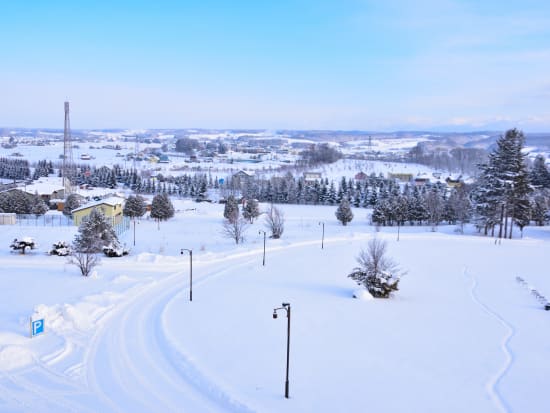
(136, 152)
(67, 153)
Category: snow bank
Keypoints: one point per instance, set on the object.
(362, 294)
(13, 357)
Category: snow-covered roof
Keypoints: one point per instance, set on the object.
(46, 185)
(111, 201)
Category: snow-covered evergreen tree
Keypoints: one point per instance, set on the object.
(460, 206)
(161, 207)
(502, 193)
(94, 233)
(344, 213)
(539, 175)
(251, 210)
(231, 209)
(434, 206)
(539, 208)
(72, 202)
(38, 206)
(134, 207)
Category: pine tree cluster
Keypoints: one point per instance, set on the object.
(17, 169)
(19, 202)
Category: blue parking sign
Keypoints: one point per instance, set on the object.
(37, 327)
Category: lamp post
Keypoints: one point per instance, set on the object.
(259, 232)
(285, 306)
(323, 236)
(190, 272)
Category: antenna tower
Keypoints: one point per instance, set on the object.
(136, 152)
(67, 153)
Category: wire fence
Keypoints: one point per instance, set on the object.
(29, 220)
(46, 220)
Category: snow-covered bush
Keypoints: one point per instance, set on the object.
(115, 250)
(23, 245)
(60, 248)
(377, 273)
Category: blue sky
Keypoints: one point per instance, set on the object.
(302, 64)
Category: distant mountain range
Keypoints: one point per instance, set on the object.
(481, 139)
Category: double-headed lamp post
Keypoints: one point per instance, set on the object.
(190, 272)
(259, 232)
(285, 306)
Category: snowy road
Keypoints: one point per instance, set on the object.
(133, 367)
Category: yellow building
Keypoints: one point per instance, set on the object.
(111, 207)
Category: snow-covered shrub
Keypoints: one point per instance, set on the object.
(377, 273)
(60, 248)
(23, 245)
(115, 250)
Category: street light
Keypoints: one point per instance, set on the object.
(190, 272)
(285, 306)
(323, 236)
(259, 232)
(134, 231)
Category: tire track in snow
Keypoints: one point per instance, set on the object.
(492, 386)
(31, 395)
(147, 372)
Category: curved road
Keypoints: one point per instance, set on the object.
(133, 367)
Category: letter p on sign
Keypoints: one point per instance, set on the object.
(37, 327)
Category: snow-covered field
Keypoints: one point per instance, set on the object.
(461, 334)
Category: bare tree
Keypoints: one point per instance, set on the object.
(275, 221)
(85, 261)
(378, 273)
(235, 229)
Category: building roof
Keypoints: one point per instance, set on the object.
(111, 201)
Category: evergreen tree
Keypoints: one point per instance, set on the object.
(400, 208)
(231, 209)
(38, 206)
(72, 202)
(502, 192)
(94, 233)
(251, 210)
(344, 213)
(134, 207)
(202, 192)
(161, 207)
(460, 206)
(539, 175)
(434, 207)
(417, 207)
(539, 209)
